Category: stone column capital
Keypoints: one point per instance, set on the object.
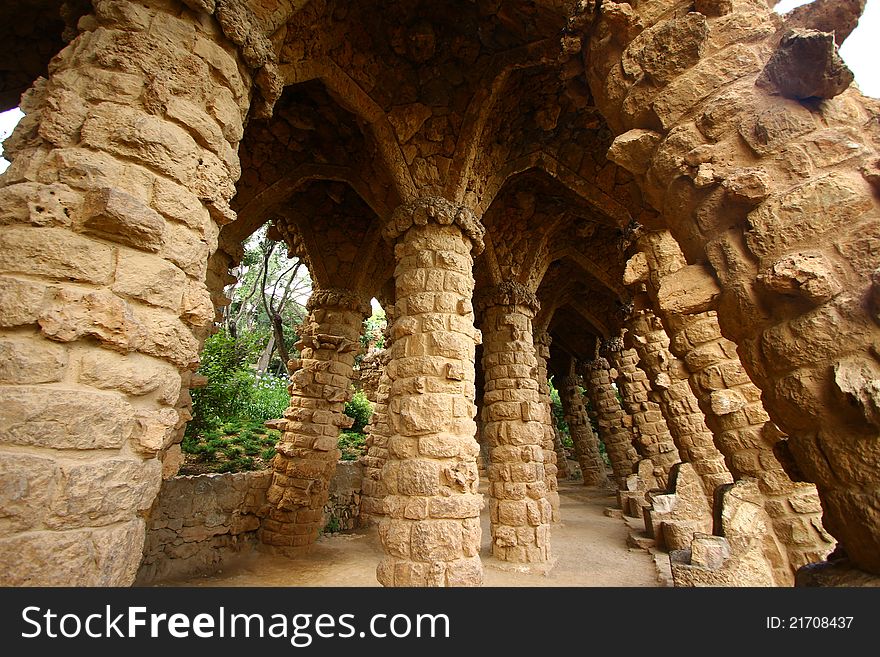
(338, 298)
(612, 345)
(508, 293)
(438, 210)
(598, 363)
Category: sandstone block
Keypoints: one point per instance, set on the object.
(29, 360)
(150, 279)
(27, 485)
(64, 419)
(633, 150)
(20, 301)
(123, 218)
(806, 65)
(87, 557)
(71, 314)
(55, 253)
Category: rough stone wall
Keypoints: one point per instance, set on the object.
(121, 174)
(199, 524)
(342, 512)
(764, 164)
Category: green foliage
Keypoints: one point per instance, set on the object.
(359, 409)
(234, 392)
(559, 414)
(374, 331)
(239, 445)
(352, 445)
(332, 525)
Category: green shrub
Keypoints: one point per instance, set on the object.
(352, 445)
(359, 409)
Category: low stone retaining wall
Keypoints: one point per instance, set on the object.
(200, 523)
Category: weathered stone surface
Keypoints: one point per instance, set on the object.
(132, 374)
(691, 289)
(123, 218)
(149, 278)
(105, 556)
(63, 418)
(102, 492)
(859, 380)
(28, 360)
(27, 485)
(839, 17)
(633, 150)
(71, 314)
(806, 65)
(807, 275)
(55, 253)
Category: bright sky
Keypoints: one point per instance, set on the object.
(859, 51)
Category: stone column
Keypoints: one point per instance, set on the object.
(513, 426)
(585, 441)
(121, 174)
(373, 489)
(562, 471)
(651, 436)
(431, 529)
(745, 435)
(378, 431)
(308, 452)
(680, 407)
(555, 465)
(611, 418)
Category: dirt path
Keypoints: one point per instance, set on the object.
(590, 550)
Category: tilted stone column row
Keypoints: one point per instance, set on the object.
(307, 452)
(555, 465)
(734, 140)
(730, 401)
(672, 391)
(514, 419)
(122, 171)
(651, 436)
(585, 441)
(431, 529)
(611, 418)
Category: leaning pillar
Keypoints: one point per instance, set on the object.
(680, 407)
(730, 401)
(585, 441)
(611, 418)
(555, 465)
(651, 435)
(307, 452)
(431, 529)
(514, 420)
